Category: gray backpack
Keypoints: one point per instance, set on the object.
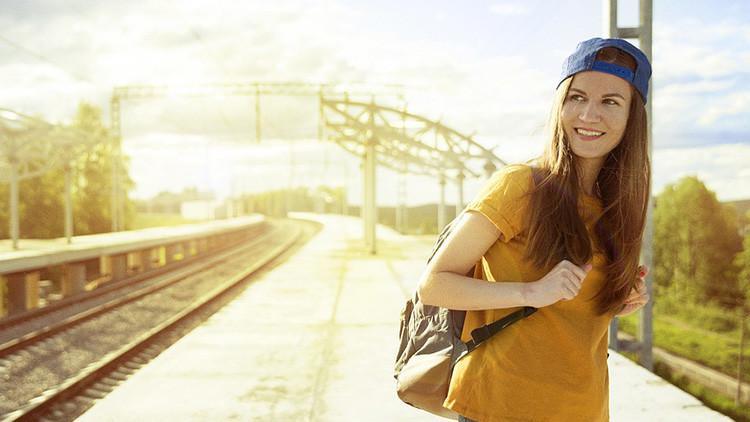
(430, 345)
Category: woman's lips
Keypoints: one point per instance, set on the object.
(588, 134)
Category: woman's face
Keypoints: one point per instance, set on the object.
(595, 114)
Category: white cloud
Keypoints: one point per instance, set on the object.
(723, 168)
(692, 47)
(506, 9)
(733, 105)
(701, 76)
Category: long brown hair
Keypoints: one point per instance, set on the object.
(557, 231)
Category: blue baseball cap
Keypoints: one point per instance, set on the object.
(584, 58)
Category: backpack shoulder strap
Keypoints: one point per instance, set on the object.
(483, 333)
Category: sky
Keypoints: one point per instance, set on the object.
(483, 67)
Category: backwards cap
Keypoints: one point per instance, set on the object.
(584, 58)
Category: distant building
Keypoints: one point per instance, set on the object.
(199, 210)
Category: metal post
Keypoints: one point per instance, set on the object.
(115, 124)
(362, 209)
(644, 35)
(401, 206)
(489, 169)
(68, 203)
(290, 200)
(321, 117)
(370, 207)
(460, 187)
(14, 226)
(610, 18)
(345, 192)
(646, 316)
(441, 206)
(257, 113)
(321, 134)
(738, 393)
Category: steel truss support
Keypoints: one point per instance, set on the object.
(406, 143)
(644, 34)
(369, 200)
(460, 192)
(441, 217)
(401, 217)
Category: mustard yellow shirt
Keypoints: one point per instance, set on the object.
(551, 366)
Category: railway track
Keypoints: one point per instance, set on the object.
(57, 370)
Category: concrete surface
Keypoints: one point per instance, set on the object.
(314, 340)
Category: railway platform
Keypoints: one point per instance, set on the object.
(314, 340)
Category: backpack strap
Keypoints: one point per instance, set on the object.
(483, 333)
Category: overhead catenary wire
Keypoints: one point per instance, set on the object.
(43, 58)
(210, 53)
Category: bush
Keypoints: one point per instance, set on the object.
(712, 318)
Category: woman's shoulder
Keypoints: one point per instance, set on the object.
(510, 183)
(519, 176)
(504, 198)
(516, 169)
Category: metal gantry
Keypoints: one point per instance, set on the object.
(407, 143)
(253, 89)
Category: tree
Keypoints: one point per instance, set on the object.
(41, 199)
(93, 195)
(41, 205)
(695, 242)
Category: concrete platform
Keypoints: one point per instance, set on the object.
(34, 254)
(315, 339)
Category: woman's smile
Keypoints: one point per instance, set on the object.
(588, 134)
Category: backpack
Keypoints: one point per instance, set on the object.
(430, 345)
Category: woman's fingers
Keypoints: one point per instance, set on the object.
(573, 276)
(638, 295)
(563, 282)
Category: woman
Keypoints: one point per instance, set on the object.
(562, 234)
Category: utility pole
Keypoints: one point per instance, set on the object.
(643, 33)
(116, 137)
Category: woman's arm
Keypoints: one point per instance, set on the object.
(444, 284)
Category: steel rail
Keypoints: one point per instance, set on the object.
(175, 275)
(60, 305)
(39, 406)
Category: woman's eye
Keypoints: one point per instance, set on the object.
(611, 101)
(576, 97)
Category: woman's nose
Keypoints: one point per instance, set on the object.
(590, 112)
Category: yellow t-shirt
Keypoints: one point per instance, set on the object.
(551, 366)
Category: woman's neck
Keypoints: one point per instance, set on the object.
(588, 172)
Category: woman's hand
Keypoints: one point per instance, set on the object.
(638, 294)
(562, 283)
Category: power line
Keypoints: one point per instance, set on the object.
(43, 58)
(219, 63)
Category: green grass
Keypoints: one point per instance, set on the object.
(719, 402)
(717, 350)
(146, 221)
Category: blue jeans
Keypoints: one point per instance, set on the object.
(465, 419)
